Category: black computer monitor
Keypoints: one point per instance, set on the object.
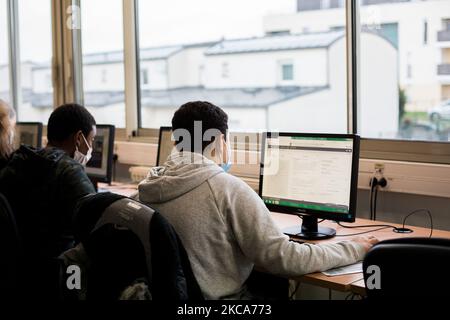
(314, 176)
(100, 167)
(165, 145)
(28, 133)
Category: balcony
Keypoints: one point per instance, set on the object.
(443, 72)
(443, 38)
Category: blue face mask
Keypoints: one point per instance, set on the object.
(227, 166)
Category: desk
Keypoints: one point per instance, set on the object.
(347, 283)
(352, 282)
(126, 190)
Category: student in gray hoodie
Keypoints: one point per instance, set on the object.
(223, 224)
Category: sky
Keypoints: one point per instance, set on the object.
(162, 22)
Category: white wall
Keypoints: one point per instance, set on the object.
(326, 111)
(263, 70)
(95, 80)
(186, 67)
(42, 80)
(379, 111)
(157, 74)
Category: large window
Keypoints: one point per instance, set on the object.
(103, 60)
(35, 35)
(4, 62)
(405, 70)
(264, 65)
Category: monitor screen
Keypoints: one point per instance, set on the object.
(165, 145)
(100, 165)
(310, 174)
(29, 134)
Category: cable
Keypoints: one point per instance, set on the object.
(375, 200)
(373, 183)
(406, 230)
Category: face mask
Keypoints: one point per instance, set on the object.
(227, 166)
(81, 158)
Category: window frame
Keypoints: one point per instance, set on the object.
(68, 85)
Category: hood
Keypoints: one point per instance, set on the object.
(181, 173)
(35, 161)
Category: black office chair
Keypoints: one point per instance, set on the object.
(409, 267)
(10, 252)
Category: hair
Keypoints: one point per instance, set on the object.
(211, 117)
(67, 120)
(7, 115)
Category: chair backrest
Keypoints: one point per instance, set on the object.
(131, 242)
(10, 251)
(408, 267)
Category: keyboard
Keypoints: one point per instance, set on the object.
(350, 269)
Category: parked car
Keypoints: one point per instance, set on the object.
(440, 112)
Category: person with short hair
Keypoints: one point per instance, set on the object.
(43, 187)
(223, 224)
(7, 123)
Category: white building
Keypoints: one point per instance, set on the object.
(420, 30)
(288, 82)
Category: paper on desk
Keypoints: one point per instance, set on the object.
(350, 269)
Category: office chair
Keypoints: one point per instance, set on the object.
(10, 251)
(409, 267)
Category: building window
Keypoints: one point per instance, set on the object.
(287, 72)
(425, 32)
(225, 70)
(4, 63)
(104, 75)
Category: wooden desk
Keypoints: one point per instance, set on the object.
(352, 282)
(358, 287)
(347, 283)
(126, 190)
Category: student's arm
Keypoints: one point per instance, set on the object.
(262, 241)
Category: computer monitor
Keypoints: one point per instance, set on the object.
(165, 145)
(314, 176)
(99, 168)
(28, 133)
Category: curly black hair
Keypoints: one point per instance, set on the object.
(210, 115)
(67, 120)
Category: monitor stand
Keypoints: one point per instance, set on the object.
(310, 230)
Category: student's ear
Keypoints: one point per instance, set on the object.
(77, 139)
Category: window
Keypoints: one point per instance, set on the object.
(4, 61)
(103, 60)
(236, 64)
(287, 72)
(225, 70)
(144, 77)
(36, 51)
(400, 60)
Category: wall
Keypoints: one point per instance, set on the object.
(262, 69)
(157, 74)
(114, 77)
(379, 112)
(185, 67)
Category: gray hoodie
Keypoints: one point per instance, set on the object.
(227, 230)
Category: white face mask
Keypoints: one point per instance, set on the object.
(81, 158)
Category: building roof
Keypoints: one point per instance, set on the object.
(226, 98)
(276, 42)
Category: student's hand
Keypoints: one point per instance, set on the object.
(366, 242)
